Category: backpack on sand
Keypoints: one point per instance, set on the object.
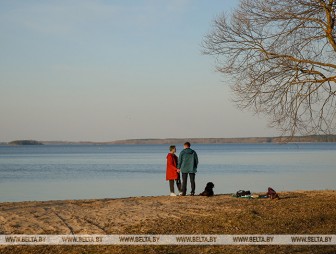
(241, 193)
(272, 193)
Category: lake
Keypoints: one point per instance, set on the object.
(53, 172)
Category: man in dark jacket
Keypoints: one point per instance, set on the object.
(187, 163)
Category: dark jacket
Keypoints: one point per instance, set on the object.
(188, 161)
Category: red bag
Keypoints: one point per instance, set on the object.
(272, 193)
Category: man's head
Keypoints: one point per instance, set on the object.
(186, 145)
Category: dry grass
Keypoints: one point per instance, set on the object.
(306, 212)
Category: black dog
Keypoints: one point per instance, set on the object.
(208, 191)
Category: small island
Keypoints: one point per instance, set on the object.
(24, 142)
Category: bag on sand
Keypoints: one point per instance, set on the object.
(241, 193)
(272, 193)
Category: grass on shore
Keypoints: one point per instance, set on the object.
(305, 212)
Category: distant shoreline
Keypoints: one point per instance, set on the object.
(154, 141)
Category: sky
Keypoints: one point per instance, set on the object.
(99, 70)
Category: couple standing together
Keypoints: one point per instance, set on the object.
(186, 163)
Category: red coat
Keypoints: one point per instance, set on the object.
(171, 172)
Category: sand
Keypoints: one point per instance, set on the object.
(300, 212)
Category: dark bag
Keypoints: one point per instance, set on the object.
(241, 193)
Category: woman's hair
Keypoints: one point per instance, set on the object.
(171, 148)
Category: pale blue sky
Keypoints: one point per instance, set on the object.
(106, 70)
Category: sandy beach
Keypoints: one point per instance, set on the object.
(300, 212)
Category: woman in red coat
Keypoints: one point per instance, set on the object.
(172, 172)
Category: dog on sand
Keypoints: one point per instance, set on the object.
(208, 191)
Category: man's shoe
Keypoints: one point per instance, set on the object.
(172, 194)
(192, 194)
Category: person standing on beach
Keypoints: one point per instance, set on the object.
(172, 172)
(187, 163)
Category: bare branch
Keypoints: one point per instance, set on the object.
(281, 56)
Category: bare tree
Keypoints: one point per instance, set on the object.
(280, 58)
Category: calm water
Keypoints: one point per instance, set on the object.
(102, 171)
